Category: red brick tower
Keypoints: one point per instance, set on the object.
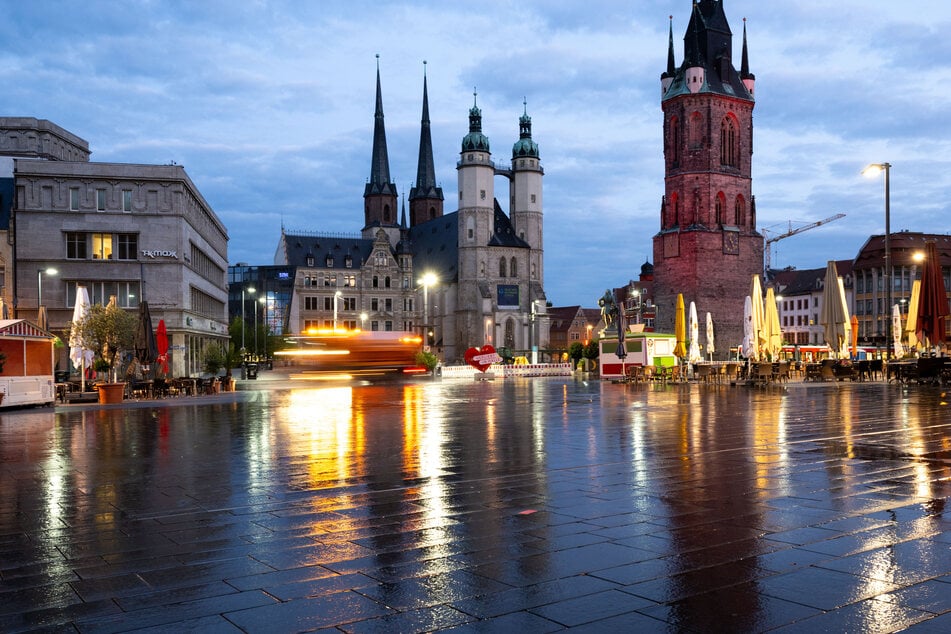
(708, 247)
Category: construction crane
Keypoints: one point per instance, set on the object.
(768, 239)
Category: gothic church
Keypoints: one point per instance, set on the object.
(488, 265)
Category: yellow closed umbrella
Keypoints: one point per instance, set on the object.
(680, 328)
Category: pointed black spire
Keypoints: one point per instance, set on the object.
(380, 165)
(425, 198)
(380, 197)
(671, 68)
(745, 63)
(425, 169)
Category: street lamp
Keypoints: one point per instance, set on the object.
(39, 284)
(244, 323)
(363, 321)
(872, 170)
(263, 302)
(427, 280)
(337, 296)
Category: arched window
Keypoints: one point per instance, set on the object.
(386, 282)
(718, 209)
(386, 213)
(513, 267)
(728, 143)
(376, 282)
(671, 211)
(502, 267)
(509, 333)
(432, 213)
(738, 211)
(674, 137)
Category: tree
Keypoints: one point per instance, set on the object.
(108, 330)
(576, 351)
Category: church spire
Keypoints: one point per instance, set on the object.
(667, 77)
(749, 79)
(380, 193)
(425, 198)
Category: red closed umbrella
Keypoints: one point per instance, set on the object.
(933, 300)
(161, 345)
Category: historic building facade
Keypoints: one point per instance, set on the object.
(466, 278)
(708, 247)
(135, 232)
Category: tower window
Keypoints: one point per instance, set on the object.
(502, 267)
(728, 143)
(513, 267)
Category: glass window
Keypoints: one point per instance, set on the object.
(126, 200)
(76, 246)
(102, 246)
(74, 199)
(126, 246)
(100, 200)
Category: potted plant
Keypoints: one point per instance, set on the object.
(217, 356)
(108, 330)
(427, 360)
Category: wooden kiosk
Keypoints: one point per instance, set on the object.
(643, 348)
(27, 376)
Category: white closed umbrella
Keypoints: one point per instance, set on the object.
(756, 296)
(834, 316)
(710, 348)
(898, 349)
(78, 353)
(693, 353)
(750, 347)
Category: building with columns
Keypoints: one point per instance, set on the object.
(708, 247)
(483, 266)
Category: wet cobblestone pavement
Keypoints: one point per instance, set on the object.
(529, 505)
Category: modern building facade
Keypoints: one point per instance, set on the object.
(463, 279)
(133, 232)
(906, 250)
(708, 247)
(799, 302)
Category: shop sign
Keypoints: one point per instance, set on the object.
(157, 253)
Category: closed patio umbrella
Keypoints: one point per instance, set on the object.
(911, 319)
(78, 353)
(710, 345)
(772, 331)
(161, 344)
(854, 336)
(680, 328)
(834, 315)
(145, 348)
(898, 349)
(933, 302)
(693, 353)
(750, 349)
(756, 295)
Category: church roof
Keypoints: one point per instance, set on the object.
(504, 235)
(301, 245)
(435, 246)
(708, 43)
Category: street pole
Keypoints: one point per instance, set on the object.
(871, 170)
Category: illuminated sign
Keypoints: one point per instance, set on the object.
(507, 295)
(154, 253)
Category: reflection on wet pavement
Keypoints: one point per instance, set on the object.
(484, 506)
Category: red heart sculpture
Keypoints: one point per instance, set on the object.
(482, 358)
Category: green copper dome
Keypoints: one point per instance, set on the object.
(525, 146)
(475, 140)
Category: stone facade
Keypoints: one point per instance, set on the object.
(139, 232)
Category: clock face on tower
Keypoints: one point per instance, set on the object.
(731, 242)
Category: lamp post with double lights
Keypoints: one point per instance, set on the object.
(426, 281)
(872, 170)
(244, 322)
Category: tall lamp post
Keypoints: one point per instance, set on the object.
(244, 322)
(337, 296)
(427, 280)
(39, 284)
(872, 170)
